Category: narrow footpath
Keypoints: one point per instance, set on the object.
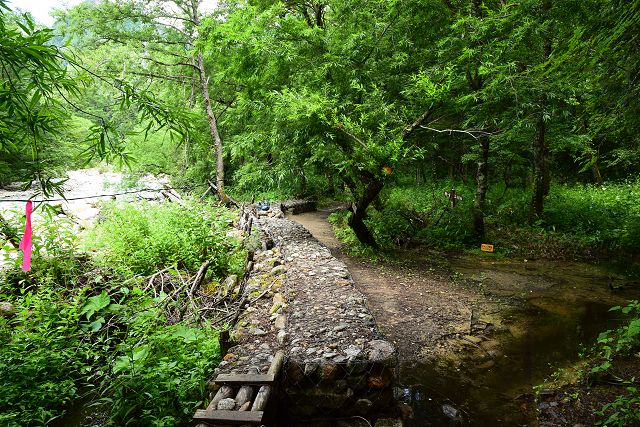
(416, 306)
(444, 328)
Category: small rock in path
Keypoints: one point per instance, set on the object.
(226, 404)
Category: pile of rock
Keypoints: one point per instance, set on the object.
(303, 301)
(256, 334)
(336, 362)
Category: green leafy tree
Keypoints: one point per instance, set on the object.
(159, 38)
(329, 81)
(40, 83)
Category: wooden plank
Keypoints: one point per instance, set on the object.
(223, 393)
(276, 364)
(244, 379)
(229, 417)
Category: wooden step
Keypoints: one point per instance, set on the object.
(245, 379)
(251, 390)
(228, 417)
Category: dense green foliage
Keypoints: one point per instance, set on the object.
(81, 331)
(624, 410)
(41, 83)
(143, 238)
(362, 100)
(42, 358)
(33, 81)
(363, 96)
(582, 221)
(528, 108)
(58, 348)
(346, 98)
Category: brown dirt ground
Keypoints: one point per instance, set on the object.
(417, 305)
(431, 315)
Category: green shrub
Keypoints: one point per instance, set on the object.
(142, 238)
(54, 259)
(423, 213)
(158, 374)
(147, 371)
(582, 219)
(608, 215)
(43, 358)
(64, 341)
(624, 410)
(621, 341)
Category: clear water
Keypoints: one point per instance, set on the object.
(555, 322)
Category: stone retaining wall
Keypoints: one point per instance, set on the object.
(303, 301)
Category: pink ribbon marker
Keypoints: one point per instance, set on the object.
(26, 242)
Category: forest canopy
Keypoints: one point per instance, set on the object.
(344, 98)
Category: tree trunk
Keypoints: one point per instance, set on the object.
(213, 128)
(597, 176)
(359, 212)
(213, 123)
(475, 81)
(541, 176)
(482, 180)
(540, 172)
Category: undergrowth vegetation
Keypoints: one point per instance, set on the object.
(143, 238)
(98, 334)
(604, 382)
(623, 341)
(582, 221)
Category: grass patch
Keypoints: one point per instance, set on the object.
(581, 221)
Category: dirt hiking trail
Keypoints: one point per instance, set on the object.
(415, 304)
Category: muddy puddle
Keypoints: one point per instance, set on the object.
(554, 311)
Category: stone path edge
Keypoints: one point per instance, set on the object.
(303, 301)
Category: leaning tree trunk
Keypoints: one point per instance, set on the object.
(359, 212)
(482, 181)
(213, 128)
(194, 16)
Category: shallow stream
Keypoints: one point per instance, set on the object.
(560, 309)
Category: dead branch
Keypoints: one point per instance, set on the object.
(352, 136)
(166, 64)
(215, 188)
(153, 277)
(161, 76)
(205, 193)
(197, 282)
(473, 133)
(424, 116)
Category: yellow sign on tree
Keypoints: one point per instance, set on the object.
(486, 247)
